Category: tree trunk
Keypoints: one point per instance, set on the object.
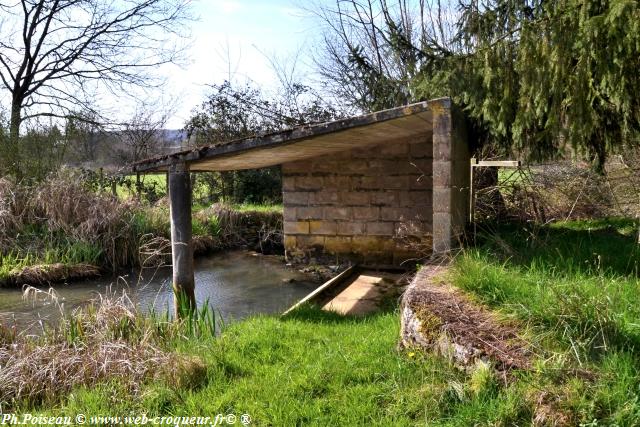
(12, 147)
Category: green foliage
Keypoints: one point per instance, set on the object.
(39, 152)
(67, 251)
(543, 75)
(313, 368)
(541, 78)
(232, 112)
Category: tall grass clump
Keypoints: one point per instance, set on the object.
(64, 220)
(109, 340)
(71, 208)
(251, 225)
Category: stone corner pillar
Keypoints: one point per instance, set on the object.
(451, 178)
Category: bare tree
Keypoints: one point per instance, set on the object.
(82, 131)
(54, 54)
(143, 135)
(373, 49)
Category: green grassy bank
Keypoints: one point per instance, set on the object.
(571, 287)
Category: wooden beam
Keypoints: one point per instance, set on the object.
(495, 163)
(181, 243)
(327, 285)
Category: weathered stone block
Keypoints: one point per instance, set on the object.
(380, 228)
(366, 183)
(336, 182)
(364, 244)
(354, 198)
(336, 212)
(364, 153)
(290, 242)
(394, 182)
(421, 149)
(387, 198)
(309, 212)
(302, 166)
(288, 183)
(296, 227)
(367, 213)
(388, 167)
(351, 228)
(310, 241)
(338, 244)
(324, 197)
(421, 166)
(419, 198)
(442, 236)
(400, 214)
(323, 227)
(442, 200)
(442, 151)
(412, 228)
(441, 174)
(441, 125)
(295, 198)
(420, 182)
(394, 149)
(308, 183)
(290, 214)
(352, 166)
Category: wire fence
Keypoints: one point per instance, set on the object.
(552, 191)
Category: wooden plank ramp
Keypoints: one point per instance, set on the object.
(355, 291)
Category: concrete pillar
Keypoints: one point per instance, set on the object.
(181, 244)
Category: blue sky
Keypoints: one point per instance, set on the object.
(235, 38)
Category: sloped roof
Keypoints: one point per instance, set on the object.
(387, 126)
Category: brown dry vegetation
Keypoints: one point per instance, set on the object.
(259, 230)
(544, 193)
(107, 340)
(54, 231)
(452, 325)
(63, 205)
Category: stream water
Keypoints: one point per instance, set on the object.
(236, 285)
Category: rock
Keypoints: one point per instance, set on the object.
(437, 317)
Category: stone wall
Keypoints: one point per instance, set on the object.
(372, 205)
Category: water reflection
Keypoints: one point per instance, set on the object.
(236, 284)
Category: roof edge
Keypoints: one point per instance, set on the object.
(285, 137)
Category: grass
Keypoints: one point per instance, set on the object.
(312, 368)
(68, 253)
(252, 207)
(572, 287)
(63, 221)
(576, 284)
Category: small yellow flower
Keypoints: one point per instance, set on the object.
(412, 354)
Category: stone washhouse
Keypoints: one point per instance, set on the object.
(378, 189)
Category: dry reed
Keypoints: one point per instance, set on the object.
(107, 340)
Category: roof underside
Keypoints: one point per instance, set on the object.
(388, 126)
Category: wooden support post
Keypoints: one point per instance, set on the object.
(181, 244)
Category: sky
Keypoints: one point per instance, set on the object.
(235, 39)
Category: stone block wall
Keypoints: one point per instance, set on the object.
(372, 205)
